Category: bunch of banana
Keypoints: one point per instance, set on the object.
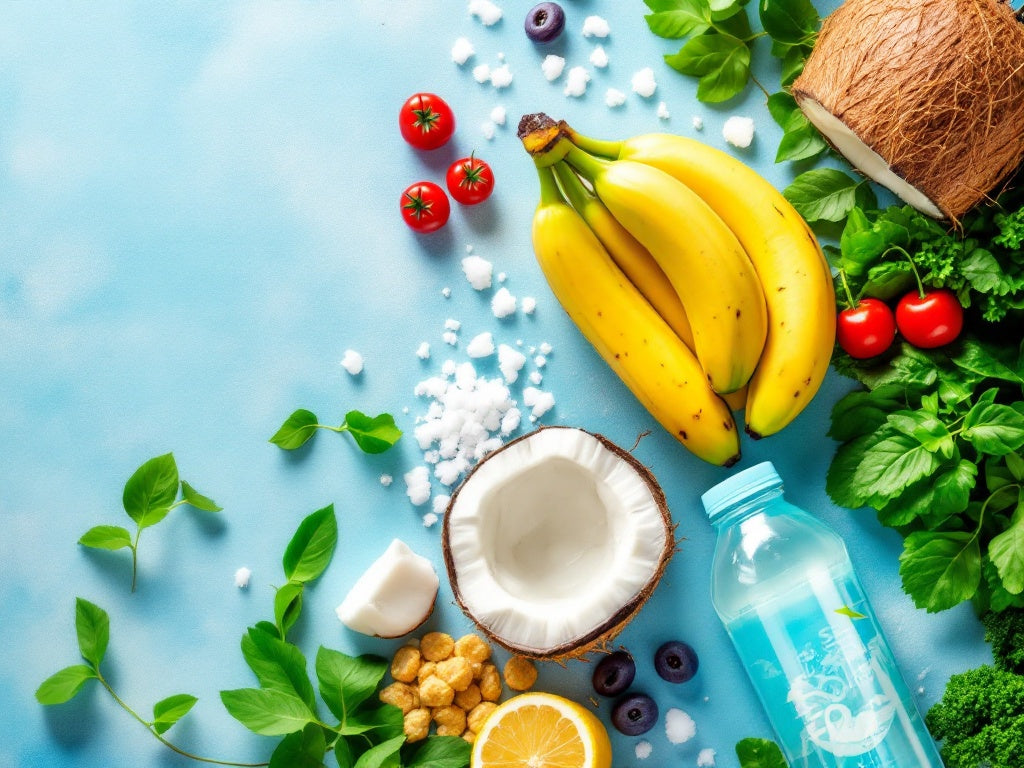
(690, 274)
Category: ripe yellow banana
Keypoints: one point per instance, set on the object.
(627, 332)
(701, 256)
(796, 277)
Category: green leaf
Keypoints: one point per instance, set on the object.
(861, 412)
(302, 749)
(296, 430)
(385, 720)
(440, 752)
(167, 712)
(310, 550)
(789, 21)
(278, 664)
(347, 681)
(800, 140)
(927, 428)
(781, 106)
(840, 480)
(197, 500)
(940, 569)
(793, 64)
(288, 605)
(849, 613)
(343, 754)
(64, 685)
(760, 753)
(722, 62)
(981, 359)
(678, 18)
(1015, 465)
(823, 194)
(382, 754)
(888, 279)
(1006, 551)
(993, 428)
(267, 711)
(891, 464)
(106, 537)
(92, 624)
(372, 435)
(151, 490)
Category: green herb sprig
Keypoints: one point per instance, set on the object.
(372, 434)
(149, 496)
(760, 753)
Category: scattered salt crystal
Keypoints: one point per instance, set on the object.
(544, 348)
(499, 115)
(599, 57)
(451, 324)
(595, 26)
(501, 56)
(698, 123)
(487, 129)
(501, 77)
(423, 351)
(482, 73)
(446, 292)
(539, 402)
(469, 248)
(738, 131)
(663, 113)
(510, 421)
(552, 67)
(462, 50)
(643, 82)
(529, 304)
(487, 12)
(482, 345)
(679, 726)
(503, 303)
(643, 749)
(417, 485)
(613, 97)
(540, 361)
(576, 81)
(440, 503)
(448, 367)
(477, 271)
(352, 362)
(450, 337)
(510, 362)
(536, 378)
(386, 480)
(706, 758)
(242, 576)
(429, 519)
(502, 277)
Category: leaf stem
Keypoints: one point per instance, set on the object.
(135, 556)
(759, 85)
(149, 727)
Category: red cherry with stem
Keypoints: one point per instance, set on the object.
(866, 327)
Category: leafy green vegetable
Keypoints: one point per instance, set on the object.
(760, 753)
(827, 194)
(372, 434)
(149, 495)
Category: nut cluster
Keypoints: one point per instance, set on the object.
(451, 683)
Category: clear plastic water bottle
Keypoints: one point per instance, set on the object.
(783, 585)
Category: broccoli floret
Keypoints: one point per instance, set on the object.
(980, 719)
(1005, 631)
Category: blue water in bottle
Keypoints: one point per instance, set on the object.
(783, 585)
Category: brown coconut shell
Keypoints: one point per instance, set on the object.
(601, 636)
(935, 87)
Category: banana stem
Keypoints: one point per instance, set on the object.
(571, 186)
(599, 147)
(549, 191)
(590, 167)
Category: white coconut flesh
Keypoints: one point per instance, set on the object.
(554, 540)
(865, 159)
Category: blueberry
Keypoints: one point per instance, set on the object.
(675, 661)
(544, 22)
(614, 673)
(634, 714)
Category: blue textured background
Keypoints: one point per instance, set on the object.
(198, 215)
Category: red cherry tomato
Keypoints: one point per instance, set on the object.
(425, 206)
(866, 329)
(426, 121)
(932, 320)
(470, 180)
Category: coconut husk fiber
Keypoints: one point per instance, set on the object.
(935, 87)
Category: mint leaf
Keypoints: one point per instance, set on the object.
(800, 140)
(993, 428)
(110, 537)
(823, 194)
(288, 606)
(311, 548)
(296, 430)
(372, 435)
(678, 18)
(979, 359)
(197, 500)
(383, 754)
(64, 685)
(1006, 551)
(346, 681)
(267, 711)
(760, 753)
(940, 569)
(722, 62)
(167, 712)
(891, 464)
(151, 490)
(781, 106)
(302, 749)
(278, 664)
(92, 625)
(789, 21)
(927, 428)
(841, 479)
(440, 752)
(861, 412)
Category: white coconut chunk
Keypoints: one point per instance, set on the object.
(393, 596)
(482, 73)
(462, 51)
(865, 159)
(643, 82)
(643, 749)
(679, 726)
(613, 97)
(487, 12)
(242, 576)
(599, 57)
(706, 758)
(576, 82)
(499, 115)
(352, 362)
(478, 272)
(738, 131)
(552, 66)
(501, 77)
(596, 26)
(503, 303)
(663, 113)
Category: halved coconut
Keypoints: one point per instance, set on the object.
(554, 541)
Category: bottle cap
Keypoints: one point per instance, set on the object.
(750, 481)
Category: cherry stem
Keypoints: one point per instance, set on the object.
(913, 268)
(846, 289)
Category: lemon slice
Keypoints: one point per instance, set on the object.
(542, 730)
